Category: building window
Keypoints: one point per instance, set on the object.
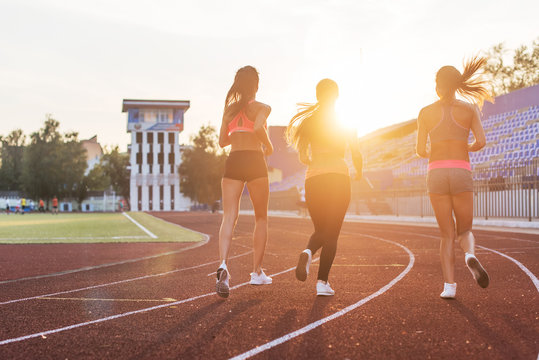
(150, 194)
(161, 192)
(171, 138)
(172, 197)
(139, 202)
(149, 158)
(149, 137)
(139, 138)
(139, 158)
(160, 137)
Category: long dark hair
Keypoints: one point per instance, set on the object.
(470, 85)
(307, 123)
(243, 89)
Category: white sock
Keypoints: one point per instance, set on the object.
(467, 256)
(308, 251)
(223, 265)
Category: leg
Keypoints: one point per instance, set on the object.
(231, 192)
(443, 209)
(336, 207)
(259, 193)
(463, 208)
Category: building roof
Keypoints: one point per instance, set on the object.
(154, 104)
(93, 148)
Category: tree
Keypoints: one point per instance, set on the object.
(53, 164)
(11, 153)
(115, 167)
(202, 167)
(522, 72)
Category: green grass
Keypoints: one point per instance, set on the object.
(89, 228)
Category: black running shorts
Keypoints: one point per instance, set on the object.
(245, 165)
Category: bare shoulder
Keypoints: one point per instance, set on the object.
(262, 107)
(465, 105)
(427, 112)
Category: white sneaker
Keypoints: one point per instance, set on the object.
(450, 290)
(260, 279)
(221, 287)
(304, 262)
(478, 272)
(323, 288)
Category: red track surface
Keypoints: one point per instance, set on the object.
(408, 320)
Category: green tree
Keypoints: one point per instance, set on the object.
(202, 167)
(53, 164)
(115, 167)
(522, 71)
(11, 153)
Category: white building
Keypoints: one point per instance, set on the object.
(155, 154)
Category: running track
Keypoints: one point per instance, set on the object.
(157, 301)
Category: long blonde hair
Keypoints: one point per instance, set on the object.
(307, 123)
(469, 84)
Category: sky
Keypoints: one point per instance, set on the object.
(78, 60)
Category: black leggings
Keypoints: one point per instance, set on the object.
(327, 197)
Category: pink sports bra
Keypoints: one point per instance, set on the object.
(241, 123)
(448, 128)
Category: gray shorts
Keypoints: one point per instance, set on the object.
(449, 181)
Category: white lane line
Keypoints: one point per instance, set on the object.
(152, 235)
(140, 311)
(78, 238)
(335, 315)
(119, 281)
(519, 264)
(88, 268)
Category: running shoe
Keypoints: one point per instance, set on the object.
(450, 290)
(222, 287)
(323, 288)
(478, 272)
(304, 262)
(260, 279)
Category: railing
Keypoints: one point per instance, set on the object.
(508, 192)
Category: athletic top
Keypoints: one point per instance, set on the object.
(448, 128)
(327, 159)
(241, 123)
(55, 202)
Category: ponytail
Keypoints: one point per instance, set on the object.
(471, 86)
(244, 87)
(300, 128)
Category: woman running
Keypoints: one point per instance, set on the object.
(447, 123)
(244, 128)
(321, 144)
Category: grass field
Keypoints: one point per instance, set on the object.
(89, 228)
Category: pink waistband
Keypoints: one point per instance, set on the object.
(450, 164)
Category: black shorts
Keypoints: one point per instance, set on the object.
(245, 165)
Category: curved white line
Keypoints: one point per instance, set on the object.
(117, 316)
(88, 268)
(519, 264)
(119, 281)
(151, 234)
(333, 316)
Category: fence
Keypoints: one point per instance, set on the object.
(505, 191)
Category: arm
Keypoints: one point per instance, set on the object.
(224, 139)
(422, 135)
(477, 131)
(260, 129)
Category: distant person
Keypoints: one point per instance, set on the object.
(7, 207)
(23, 205)
(301, 202)
(121, 205)
(41, 206)
(244, 128)
(55, 205)
(321, 144)
(447, 123)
